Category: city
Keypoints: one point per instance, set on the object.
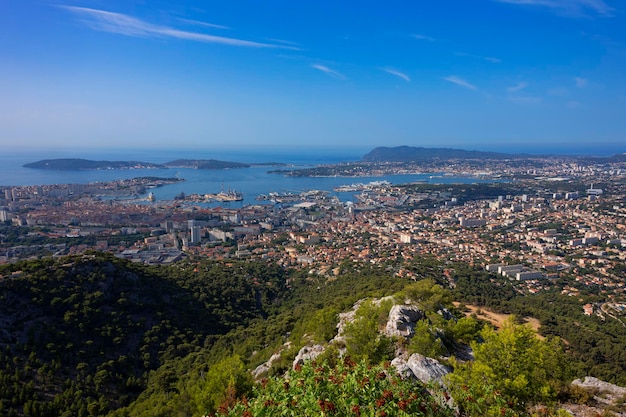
(544, 226)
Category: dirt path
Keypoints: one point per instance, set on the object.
(497, 319)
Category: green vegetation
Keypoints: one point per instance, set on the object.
(81, 334)
(595, 346)
(524, 369)
(364, 342)
(349, 389)
(95, 335)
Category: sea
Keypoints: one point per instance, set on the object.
(250, 182)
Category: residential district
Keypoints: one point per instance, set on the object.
(551, 224)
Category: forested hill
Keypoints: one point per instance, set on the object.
(86, 331)
(94, 335)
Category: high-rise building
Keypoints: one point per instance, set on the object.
(196, 235)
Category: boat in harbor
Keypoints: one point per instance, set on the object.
(224, 196)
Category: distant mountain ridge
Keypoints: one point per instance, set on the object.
(411, 153)
(421, 154)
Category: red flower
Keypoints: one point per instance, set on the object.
(403, 404)
(327, 406)
(347, 361)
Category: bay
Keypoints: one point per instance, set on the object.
(250, 182)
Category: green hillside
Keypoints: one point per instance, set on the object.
(95, 335)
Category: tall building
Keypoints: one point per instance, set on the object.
(196, 235)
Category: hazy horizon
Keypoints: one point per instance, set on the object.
(298, 152)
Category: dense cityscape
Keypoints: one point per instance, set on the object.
(557, 222)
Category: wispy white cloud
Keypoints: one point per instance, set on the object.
(397, 73)
(460, 81)
(130, 26)
(581, 82)
(485, 58)
(295, 44)
(423, 37)
(518, 87)
(205, 24)
(569, 7)
(573, 104)
(328, 71)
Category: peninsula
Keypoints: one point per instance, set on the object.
(77, 164)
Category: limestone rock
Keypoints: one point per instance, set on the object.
(402, 319)
(308, 353)
(607, 393)
(399, 363)
(427, 369)
(264, 367)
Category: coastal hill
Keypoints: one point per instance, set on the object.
(411, 154)
(420, 154)
(77, 164)
(205, 164)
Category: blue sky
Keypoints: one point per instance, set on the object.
(472, 74)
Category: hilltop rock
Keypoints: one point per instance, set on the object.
(420, 367)
(402, 319)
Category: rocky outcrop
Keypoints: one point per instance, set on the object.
(264, 367)
(347, 317)
(606, 392)
(402, 319)
(420, 367)
(308, 353)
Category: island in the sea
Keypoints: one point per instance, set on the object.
(78, 164)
